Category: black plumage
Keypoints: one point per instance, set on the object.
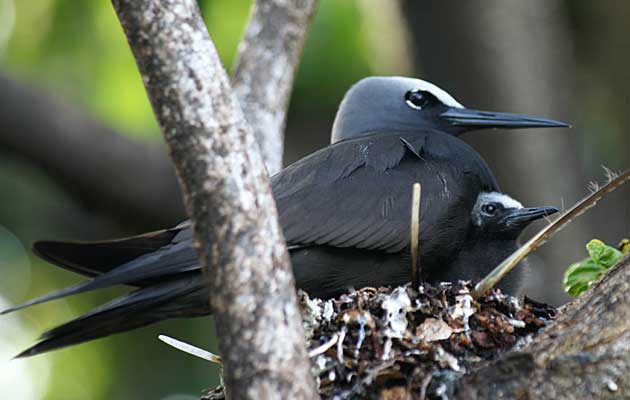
(345, 211)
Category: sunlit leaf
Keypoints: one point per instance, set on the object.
(581, 275)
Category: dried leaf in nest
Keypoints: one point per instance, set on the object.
(433, 329)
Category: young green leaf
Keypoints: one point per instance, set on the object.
(581, 275)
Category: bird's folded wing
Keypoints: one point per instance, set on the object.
(355, 194)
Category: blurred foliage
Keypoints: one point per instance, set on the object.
(581, 275)
(78, 49)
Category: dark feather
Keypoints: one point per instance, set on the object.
(136, 309)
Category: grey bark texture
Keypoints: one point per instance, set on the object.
(267, 62)
(227, 193)
(584, 354)
(103, 169)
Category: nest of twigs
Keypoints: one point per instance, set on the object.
(393, 344)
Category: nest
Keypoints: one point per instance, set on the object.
(392, 343)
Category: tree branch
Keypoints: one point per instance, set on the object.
(102, 168)
(227, 193)
(268, 59)
(583, 354)
(82, 153)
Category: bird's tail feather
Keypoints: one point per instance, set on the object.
(95, 258)
(133, 261)
(185, 296)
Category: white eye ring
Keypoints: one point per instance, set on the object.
(413, 97)
(489, 209)
(410, 104)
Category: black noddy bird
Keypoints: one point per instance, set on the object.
(344, 210)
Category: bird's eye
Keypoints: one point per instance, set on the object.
(416, 99)
(489, 209)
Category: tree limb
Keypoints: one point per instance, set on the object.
(585, 353)
(135, 182)
(267, 62)
(102, 168)
(227, 193)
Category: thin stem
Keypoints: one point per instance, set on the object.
(416, 271)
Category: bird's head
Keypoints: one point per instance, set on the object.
(393, 104)
(497, 215)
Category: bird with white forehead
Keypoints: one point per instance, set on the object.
(345, 211)
(383, 104)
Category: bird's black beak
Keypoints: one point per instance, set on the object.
(520, 217)
(475, 119)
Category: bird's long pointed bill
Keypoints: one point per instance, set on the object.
(523, 216)
(486, 119)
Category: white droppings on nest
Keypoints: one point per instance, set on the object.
(328, 310)
(516, 323)
(515, 303)
(446, 359)
(396, 306)
(363, 319)
(314, 311)
(387, 348)
(321, 362)
(463, 310)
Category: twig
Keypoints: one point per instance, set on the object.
(324, 347)
(415, 235)
(541, 237)
(267, 62)
(190, 349)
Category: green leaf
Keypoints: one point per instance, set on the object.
(581, 275)
(603, 254)
(624, 246)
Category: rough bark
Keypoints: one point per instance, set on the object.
(584, 354)
(227, 193)
(267, 62)
(105, 170)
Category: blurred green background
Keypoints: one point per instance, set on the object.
(560, 59)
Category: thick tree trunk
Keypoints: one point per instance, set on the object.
(226, 191)
(584, 354)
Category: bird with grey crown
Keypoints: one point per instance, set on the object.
(344, 210)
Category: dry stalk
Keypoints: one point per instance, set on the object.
(415, 235)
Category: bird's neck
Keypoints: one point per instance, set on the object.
(481, 256)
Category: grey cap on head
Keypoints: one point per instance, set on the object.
(377, 104)
(394, 104)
